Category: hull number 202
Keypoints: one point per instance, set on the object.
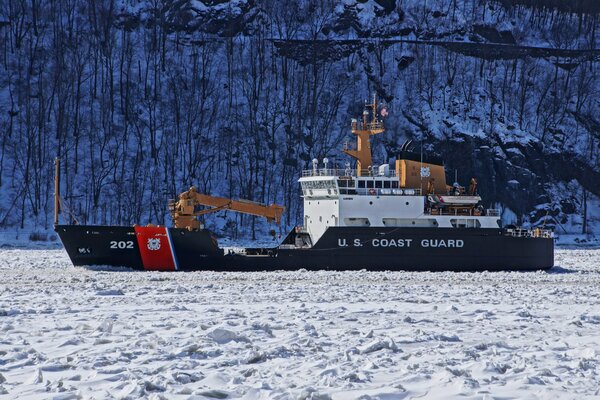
(121, 244)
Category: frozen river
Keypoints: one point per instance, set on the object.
(69, 332)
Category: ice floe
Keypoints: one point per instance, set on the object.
(68, 332)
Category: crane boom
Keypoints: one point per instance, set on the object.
(185, 210)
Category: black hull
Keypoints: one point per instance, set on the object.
(340, 248)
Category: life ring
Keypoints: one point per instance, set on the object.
(372, 192)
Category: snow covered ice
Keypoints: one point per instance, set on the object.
(70, 332)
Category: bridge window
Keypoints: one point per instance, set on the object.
(346, 183)
(361, 184)
(369, 184)
(378, 184)
(318, 184)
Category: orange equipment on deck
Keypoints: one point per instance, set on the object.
(185, 210)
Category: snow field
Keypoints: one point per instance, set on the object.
(70, 332)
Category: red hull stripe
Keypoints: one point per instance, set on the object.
(155, 248)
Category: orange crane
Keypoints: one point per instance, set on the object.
(185, 210)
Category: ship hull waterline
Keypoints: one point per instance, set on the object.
(340, 248)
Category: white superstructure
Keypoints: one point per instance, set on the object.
(341, 198)
(413, 193)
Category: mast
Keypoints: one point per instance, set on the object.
(363, 131)
(56, 189)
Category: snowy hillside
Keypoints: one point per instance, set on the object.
(142, 99)
(71, 333)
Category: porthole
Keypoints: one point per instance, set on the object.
(371, 203)
(407, 203)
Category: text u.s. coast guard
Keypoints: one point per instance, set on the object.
(342, 242)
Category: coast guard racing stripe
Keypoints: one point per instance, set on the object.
(156, 248)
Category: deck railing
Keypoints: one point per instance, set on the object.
(533, 233)
(346, 172)
(464, 211)
(380, 192)
(369, 126)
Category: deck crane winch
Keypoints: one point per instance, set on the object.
(185, 210)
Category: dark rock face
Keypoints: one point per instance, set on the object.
(307, 52)
(386, 20)
(573, 6)
(492, 34)
(222, 18)
(388, 5)
(404, 62)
